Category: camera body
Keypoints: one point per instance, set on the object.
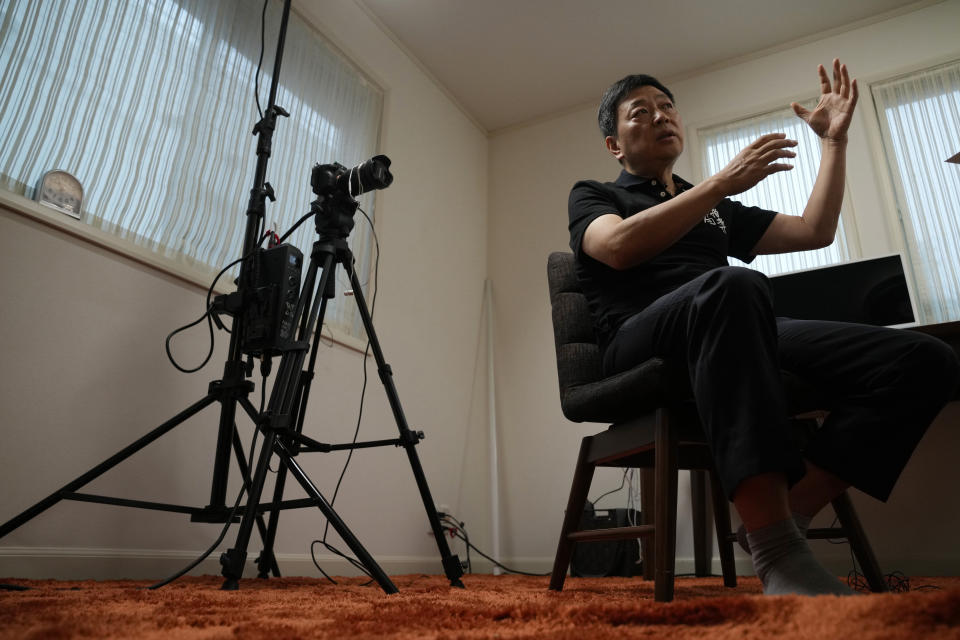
(328, 179)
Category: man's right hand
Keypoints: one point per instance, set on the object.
(757, 161)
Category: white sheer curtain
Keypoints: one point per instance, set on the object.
(786, 191)
(920, 122)
(150, 103)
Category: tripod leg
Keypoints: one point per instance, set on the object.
(233, 559)
(451, 563)
(232, 378)
(267, 560)
(105, 466)
(339, 526)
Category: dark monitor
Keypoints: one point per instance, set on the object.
(872, 291)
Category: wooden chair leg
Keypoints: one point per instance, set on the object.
(582, 477)
(721, 517)
(647, 500)
(857, 538)
(702, 549)
(665, 535)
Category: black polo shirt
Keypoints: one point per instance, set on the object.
(729, 229)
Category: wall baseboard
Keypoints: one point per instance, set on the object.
(837, 561)
(72, 563)
(155, 564)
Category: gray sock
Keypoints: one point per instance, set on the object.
(786, 565)
(803, 523)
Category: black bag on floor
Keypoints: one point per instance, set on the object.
(609, 557)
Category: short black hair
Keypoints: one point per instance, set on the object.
(612, 97)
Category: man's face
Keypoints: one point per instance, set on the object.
(649, 132)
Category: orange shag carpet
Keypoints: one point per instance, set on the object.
(490, 607)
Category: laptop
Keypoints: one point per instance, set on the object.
(869, 291)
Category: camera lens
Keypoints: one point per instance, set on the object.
(369, 175)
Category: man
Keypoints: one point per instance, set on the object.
(651, 250)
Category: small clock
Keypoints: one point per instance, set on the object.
(61, 191)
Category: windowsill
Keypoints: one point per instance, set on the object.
(35, 211)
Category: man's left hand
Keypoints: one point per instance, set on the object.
(830, 119)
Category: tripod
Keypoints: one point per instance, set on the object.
(333, 211)
(283, 434)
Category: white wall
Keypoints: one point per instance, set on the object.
(85, 372)
(531, 171)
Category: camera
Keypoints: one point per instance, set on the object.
(327, 179)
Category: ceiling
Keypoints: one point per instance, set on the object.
(511, 61)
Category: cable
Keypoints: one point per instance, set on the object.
(896, 582)
(502, 566)
(313, 557)
(366, 353)
(296, 224)
(170, 357)
(223, 532)
(263, 386)
(376, 263)
(633, 498)
(356, 563)
(446, 517)
(356, 432)
(256, 76)
(459, 530)
(622, 483)
(207, 314)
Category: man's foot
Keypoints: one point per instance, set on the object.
(786, 565)
(802, 521)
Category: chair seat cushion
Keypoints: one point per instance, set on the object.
(657, 383)
(649, 385)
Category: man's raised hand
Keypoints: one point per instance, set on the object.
(757, 161)
(831, 118)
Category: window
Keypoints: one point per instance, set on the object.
(150, 103)
(785, 191)
(920, 125)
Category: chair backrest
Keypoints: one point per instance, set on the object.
(586, 395)
(578, 353)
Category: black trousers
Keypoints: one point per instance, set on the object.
(884, 386)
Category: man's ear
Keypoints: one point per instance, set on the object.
(613, 146)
